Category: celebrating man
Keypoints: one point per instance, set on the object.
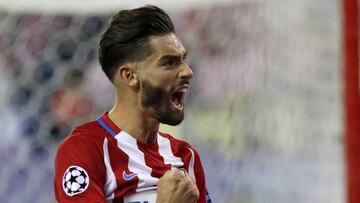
(122, 156)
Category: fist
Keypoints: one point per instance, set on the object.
(176, 186)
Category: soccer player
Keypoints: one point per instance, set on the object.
(122, 156)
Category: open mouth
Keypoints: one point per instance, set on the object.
(177, 98)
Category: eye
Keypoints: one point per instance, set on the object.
(171, 62)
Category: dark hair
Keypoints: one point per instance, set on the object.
(126, 36)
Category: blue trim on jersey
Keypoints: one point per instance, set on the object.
(106, 127)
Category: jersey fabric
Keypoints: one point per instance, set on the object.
(98, 162)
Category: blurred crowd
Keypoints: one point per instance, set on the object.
(50, 81)
(263, 110)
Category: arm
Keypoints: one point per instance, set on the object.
(79, 171)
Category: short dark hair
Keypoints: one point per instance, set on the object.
(126, 36)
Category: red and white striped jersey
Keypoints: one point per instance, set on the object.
(98, 162)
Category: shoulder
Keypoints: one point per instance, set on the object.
(88, 132)
(83, 147)
(86, 137)
(82, 150)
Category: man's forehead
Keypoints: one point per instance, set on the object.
(167, 44)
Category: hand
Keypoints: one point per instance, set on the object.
(176, 187)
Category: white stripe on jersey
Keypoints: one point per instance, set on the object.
(191, 165)
(166, 152)
(136, 163)
(110, 184)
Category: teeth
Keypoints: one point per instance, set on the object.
(183, 90)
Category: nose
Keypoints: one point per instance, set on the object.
(185, 72)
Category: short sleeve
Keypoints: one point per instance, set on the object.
(80, 173)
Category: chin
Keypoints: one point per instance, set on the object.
(172, 120)
(172, 123)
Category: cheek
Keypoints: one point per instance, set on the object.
(162, 80)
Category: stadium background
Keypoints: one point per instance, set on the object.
(266, 109)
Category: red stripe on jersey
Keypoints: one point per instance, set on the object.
(178, 148)
(200, 178)
(119, 163)
(118, 200)
(153, 159)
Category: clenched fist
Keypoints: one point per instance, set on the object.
(176, 187)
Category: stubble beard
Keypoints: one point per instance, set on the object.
(157, 100)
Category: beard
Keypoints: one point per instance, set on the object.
(158, 101)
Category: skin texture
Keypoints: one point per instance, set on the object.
(144, 89)
(175, 187)
(143, 101)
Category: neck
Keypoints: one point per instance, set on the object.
(130, 118)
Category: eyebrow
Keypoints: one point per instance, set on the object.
(172, 56)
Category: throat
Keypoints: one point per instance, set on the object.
(145, 134)
(140, 126)
(150, 139)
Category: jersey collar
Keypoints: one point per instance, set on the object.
(108, 125)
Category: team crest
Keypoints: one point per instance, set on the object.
(75, 180)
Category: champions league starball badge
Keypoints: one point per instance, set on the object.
(75, 180)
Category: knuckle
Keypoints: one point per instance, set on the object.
(176, 174)
(195, 191)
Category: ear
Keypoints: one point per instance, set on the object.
(128, 75)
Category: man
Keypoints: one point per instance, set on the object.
(122, 157)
